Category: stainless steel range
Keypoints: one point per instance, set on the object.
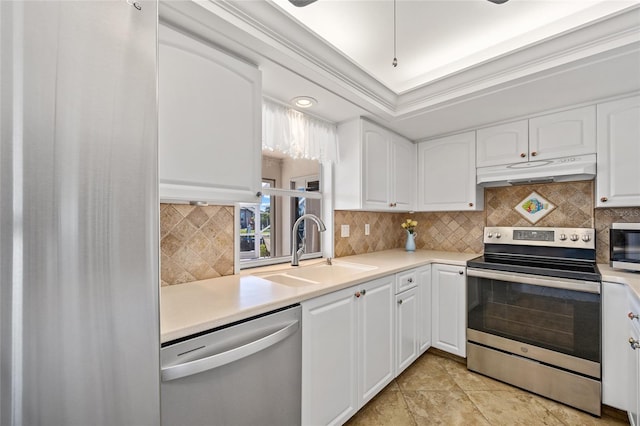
(534, 312)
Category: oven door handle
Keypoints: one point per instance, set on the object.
(561, 283)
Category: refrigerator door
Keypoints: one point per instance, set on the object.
(79, 305)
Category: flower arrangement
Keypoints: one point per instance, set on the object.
(410, 225)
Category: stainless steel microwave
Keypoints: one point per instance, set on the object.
(624, 246)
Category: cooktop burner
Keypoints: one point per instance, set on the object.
(552, 252)
(560, 268)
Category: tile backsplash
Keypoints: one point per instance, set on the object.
(462, 231)
(573, 201)
(196, 243)
(450, 231)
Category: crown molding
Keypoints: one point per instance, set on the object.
(611, 37)
(260, 30)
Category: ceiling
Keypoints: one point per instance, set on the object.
(462, 64)
(439, 37)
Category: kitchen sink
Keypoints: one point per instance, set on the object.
(316, 274)
(324, 272)
(289, 280)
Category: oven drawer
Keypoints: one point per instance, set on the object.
(574, 390)
(582, 366)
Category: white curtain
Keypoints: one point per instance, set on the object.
(296, 134)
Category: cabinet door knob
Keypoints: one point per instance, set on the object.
(410, 280)
(461, 272)
(633, 316)
(393, 204)
(522, 155)
(534, 153)
(400, 302)
(358, 294)
(470, 204)
(258, 194)
(635, 344)
(363, 292)
(604, 199)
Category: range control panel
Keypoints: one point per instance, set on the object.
(534, 236)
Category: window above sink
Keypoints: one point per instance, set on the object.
(290, 188)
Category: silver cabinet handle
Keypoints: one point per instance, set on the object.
(218, 360)
(461, 272)
(400, 302)
(635, 344)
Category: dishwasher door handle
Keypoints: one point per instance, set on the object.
(235, 354)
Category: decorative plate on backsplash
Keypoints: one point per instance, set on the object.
(534, 207)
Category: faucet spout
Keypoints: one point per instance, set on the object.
(295, 253)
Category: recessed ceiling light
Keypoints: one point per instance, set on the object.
(304, 101)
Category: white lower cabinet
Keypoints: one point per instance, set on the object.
(449, 313)
(329, 360)
(347, 350)
(633, 360)
(424, 308)
(375, 336)
(406, 329)
(614, 345)
(356, 340)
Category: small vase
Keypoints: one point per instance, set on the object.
(411, 241)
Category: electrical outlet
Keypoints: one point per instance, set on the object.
(344, 231)
(367, 230)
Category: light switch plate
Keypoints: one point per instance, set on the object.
(344, 231)
(367, 230)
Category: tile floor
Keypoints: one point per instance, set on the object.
(436, 390)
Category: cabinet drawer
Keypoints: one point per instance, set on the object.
(405, 281)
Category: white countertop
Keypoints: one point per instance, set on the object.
(190, 308)
(631, 279)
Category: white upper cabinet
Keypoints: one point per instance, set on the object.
(618, 159)
(404, 166)
(210, 118)
(503, 144)
(447, 174)
(563, 134)
(376, 167)
(376, 170)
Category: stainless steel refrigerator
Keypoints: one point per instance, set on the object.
(79, 322)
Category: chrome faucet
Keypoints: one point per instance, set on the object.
(295, 252)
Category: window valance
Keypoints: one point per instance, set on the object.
(296, 134)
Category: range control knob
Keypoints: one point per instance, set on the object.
(498, 235)
(490, 235)
(586, 238)
(574, 237)
(563, 237)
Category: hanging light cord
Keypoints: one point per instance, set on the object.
(395, 59)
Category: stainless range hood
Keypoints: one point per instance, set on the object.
(544, 171)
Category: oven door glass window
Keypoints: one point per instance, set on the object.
(560, 320)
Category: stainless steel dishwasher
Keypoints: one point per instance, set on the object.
(244, 374)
